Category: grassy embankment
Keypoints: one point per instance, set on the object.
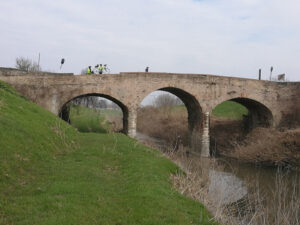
(52, 174)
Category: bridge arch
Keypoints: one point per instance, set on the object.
(192, 105)
(259, 115)
(194, 115)
(64, 110)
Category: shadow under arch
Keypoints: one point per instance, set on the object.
(191, 103)
(258, 114)
(64, 112)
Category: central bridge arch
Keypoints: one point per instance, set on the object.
(191, 103)
(194, 114)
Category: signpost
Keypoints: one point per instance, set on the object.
(62, 62)
(271, 70)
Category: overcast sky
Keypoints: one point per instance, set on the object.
(222, 37)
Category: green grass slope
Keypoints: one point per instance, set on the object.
(51, 174)
(230, 109)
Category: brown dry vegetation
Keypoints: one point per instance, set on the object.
(115, 122)
(268, 146)
(165, 123)
(280, 208)
(225, 134)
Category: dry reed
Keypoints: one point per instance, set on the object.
(279, 208)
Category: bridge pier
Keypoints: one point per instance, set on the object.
(132, 118)
(205, 140)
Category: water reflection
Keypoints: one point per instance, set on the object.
(225, 187)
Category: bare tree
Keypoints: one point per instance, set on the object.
(113, 105)
(27, 64)
(87, 101)
(167, 100)
(23, 64)
(91, 102)
(102, 104)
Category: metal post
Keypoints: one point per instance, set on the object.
(271, 70)
(39, 61)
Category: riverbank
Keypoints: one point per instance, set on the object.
(269, 147)
(229, 138)
(52, 174)
(235, 192)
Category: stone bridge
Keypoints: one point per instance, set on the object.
(269, 103)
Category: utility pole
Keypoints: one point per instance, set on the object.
(271, 70)
(39, 61)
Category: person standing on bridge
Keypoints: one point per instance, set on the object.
(89, 70)
(100, 68)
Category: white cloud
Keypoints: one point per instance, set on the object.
(232, 37)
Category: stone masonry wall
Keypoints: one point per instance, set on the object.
(201, 93)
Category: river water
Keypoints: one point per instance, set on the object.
(230, 181)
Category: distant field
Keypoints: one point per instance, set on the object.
(231, 110)
(52, 174)
(227, 109)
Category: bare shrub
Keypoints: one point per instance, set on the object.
(270, 147)
(167, 101)
(285, 205)
(225, 134)
(115, 123)
(27, 64)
